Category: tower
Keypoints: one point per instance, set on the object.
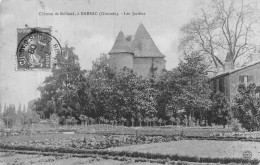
(148, 59)
(140, 54)
(121, 54)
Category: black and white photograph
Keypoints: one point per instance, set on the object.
(129, 82)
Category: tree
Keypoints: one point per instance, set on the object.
(224, 26)
(247, 107)
(140, 119)
(173, 120)
(10, 116)
(127, 95)
(220, 110)
(19, 108)
(167, 89)
(146, 120)
(5, 107)
(71, 120)
(54, 118)
(24, 109)
(32, 117)
(61, 91)
(20, 114)
(192, 81)
(83, 119)
(160, 121)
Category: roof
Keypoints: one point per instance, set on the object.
(144, 45)
(234, 71)
(141, 46)
(121, 45)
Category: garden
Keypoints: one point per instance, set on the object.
(159, 145)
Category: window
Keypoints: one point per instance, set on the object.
(221, 85)
(215, 86)
(246, 79)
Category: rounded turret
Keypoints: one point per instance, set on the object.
(121, 54)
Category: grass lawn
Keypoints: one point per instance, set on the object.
(199, 148)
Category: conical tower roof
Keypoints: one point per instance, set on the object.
(144, 45)
(121, 45)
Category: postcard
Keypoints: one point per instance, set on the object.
(129, 82)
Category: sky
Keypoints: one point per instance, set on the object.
(90, 35)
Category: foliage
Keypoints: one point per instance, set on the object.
(103, 96)
(54, 118)
(9, 116)
(71, 120)
(60, 92)
(220, 111)
(84, 119)
(32, 117)
(247, 107)
(195, 91)
(235, 125)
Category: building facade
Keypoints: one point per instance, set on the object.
(139, 54)
(228, 78)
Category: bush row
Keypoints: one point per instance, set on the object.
(223, 138)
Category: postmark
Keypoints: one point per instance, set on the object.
(35, 48)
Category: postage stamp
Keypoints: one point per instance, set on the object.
(35, 48)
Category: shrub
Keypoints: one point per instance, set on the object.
(235, 125)
(247, 107)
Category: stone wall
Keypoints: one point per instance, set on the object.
(119, 61)
(142, 66)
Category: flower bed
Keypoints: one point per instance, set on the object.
(96, 144)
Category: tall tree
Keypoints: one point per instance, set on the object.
(10, 116)
(130, 96)
(5, 107)
(168, 90)
(19, 108)
(20, 114)
(195, 91)
(223, 26)
(59, 94)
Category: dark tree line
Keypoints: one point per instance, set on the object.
(178, 96)
(181, 96)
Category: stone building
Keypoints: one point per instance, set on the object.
(228, 78)
(139, 54)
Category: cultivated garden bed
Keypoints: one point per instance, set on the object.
(117, 146)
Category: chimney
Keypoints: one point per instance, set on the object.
(228, 63)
